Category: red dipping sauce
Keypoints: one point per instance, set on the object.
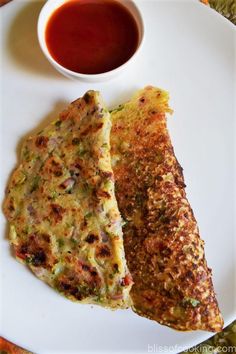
(91, 36)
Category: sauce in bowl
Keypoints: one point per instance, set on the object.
(91, 36)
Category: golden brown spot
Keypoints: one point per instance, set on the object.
(57, 212)
(103, 251)
(92, 238)
(103, 194)
(41, 141)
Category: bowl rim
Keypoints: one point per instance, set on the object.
(44, 17)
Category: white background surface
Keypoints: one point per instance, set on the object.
(189, 51)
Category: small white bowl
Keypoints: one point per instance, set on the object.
(47, 11)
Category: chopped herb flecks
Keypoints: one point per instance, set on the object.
(58, 123)
(35, 183)
(189, 301)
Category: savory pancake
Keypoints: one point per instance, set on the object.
(64, 220)
(164, 251)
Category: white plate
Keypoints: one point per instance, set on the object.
(188, 50)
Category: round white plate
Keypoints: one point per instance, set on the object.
(189, 51)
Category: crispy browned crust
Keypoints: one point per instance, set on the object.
(164, 251)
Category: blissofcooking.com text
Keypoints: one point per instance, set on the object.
(203, 349)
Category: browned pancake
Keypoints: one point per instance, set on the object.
(164, 251)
